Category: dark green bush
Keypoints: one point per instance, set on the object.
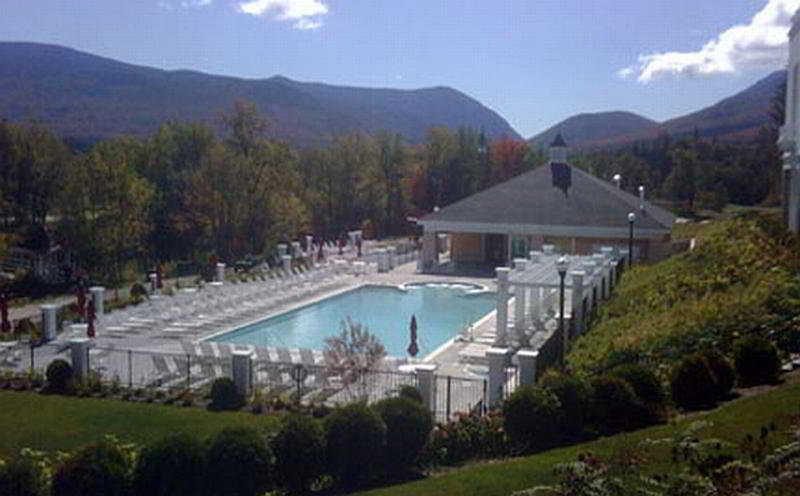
(531, 418)
(411, 393)
(574, 395)
(647, 387)
(224, 395)
(59, 376)
(756, 360)
(238, 463)
(21, 477)
(408, 426)
(355, 438)
(615, 407)
(693, 383)
(723, 370)
(299, 448)
(138, 292)
(98, 469)
(172, 466)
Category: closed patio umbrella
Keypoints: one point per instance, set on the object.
(413, 348)
(90, 316)
(5, 325)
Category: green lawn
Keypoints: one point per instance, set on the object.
(731, 422)
(51, 422)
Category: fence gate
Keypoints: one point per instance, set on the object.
(459, 395)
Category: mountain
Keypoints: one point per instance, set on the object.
(734, 118)
(84, 98)
(587, 128)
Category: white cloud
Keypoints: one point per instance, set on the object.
(305, 13)
(760, 43)
(184, 4)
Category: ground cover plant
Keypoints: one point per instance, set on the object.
(738, 281)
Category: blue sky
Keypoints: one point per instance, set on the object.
(535, 62)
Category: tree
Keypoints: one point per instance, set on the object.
(353, 354)
(681, 183)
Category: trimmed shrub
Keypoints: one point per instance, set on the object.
(723, 370)
(574, 396)
(138, 292)
(59, 376)
(224, 395)
(647, 388)
(693, 383)
(465, 438)
(98, 469)
(356, 437)
(299, 448)
(408, 426)
(411, 393)
(238, 463)
(531, 418)
(21, 477)
(172, 466)
(614, 407)
(756, 361)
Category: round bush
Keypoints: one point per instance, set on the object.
(238, 463)
(644, 382)
(21, 478)
(756, 361)
(531, 418)
(173, 466)
(411, 393)
(693, 383)
(99, 470)
(724, 373)
(574, 396)
(408, 426)
(614, 406)
(355, 438)
(59, 376)
(224, 395)
(299, 448)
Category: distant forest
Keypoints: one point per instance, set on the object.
(184, 193)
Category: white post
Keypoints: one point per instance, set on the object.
(392, 257)
(287, 264)
(79, 353)
(242, 371)
(282, 249)
(426, 382)
(49, 322)
(220, 272)
(527, 367)
(502, 306)
(577, 301)
(498, 360)
(309, 245)
(98, 298)
(519, 297)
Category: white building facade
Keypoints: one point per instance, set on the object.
(790, 132)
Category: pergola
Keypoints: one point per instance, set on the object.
(534, 284)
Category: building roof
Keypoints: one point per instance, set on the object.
(559, 141)
(553, 199)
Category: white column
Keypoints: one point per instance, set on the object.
(287, 263)
(428, 255)
(79, 353)
(498, 360)
(309, 245)
(49, 322)
(282, 249)
(98, 298)
(220, 272)
(527, 367)
(426, 382)
(296, 251)
(577, 301)
(392, 250)
(242, 371)
(502, 306)
(519, 297)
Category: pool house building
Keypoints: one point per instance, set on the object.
(556, 204)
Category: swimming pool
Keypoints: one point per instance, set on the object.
(442, 311)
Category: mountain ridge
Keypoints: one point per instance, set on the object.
(89, 97)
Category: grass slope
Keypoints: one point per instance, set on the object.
(62, 423)
(729, 422)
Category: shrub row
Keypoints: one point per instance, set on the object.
(352, 447)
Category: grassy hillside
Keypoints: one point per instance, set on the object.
(740, 278)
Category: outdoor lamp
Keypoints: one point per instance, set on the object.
(631, 220)
(562, 264)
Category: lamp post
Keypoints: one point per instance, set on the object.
(561, 266)
(631, 220)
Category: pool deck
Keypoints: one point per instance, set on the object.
(195, 342)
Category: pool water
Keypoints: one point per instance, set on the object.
(441, 310)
